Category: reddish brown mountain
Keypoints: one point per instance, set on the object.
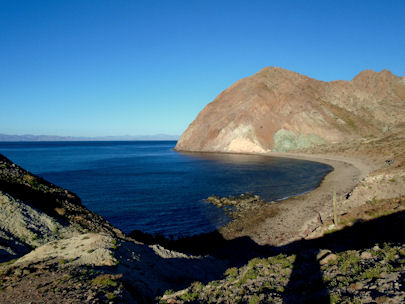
(280, 110)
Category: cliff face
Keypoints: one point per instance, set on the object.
(34, 212)
(280, 110)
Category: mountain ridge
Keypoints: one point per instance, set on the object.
(281, 110)
(31, 137)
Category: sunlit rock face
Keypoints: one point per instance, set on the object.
(280, 110)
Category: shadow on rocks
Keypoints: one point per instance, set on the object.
(306, 283)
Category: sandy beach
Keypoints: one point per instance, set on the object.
(297, 217)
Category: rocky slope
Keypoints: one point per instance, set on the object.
(279, 110)
(34, 212)
(54, 250)
(373, 275)
(362, 260)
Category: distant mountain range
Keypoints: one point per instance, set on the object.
(29, 137)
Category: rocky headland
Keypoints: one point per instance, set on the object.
(341, 243)
(279, 110)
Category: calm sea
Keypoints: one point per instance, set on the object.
(148, 186)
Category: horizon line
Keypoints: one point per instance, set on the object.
(43, 137)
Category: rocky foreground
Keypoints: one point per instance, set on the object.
(361, 260)
(355, 276)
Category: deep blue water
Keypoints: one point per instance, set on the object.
(150, 187)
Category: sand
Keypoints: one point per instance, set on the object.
(300, 216)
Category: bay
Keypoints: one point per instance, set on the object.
(148, 186)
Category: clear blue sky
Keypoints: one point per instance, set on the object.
(144, 67)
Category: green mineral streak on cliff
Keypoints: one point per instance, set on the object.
(308, 140)
(285, 140)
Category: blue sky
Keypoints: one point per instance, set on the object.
(94, 68)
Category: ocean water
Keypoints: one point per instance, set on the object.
(148, 186)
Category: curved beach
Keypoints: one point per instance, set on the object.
(299, 216)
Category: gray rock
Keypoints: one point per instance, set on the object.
(366, 255)
(322, 253)
(328, 259)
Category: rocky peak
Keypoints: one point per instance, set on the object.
(368, 74)
(281, 110)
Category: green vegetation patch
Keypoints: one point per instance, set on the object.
(104, 281)
(232, 273)
(283, 260)
(189, 296)
(351, 268)
(8, 262)
(265, 280)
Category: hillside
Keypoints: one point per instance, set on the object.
(54, 250)
(280, 110)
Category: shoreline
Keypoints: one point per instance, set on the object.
(300, 215)
(218, 264)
